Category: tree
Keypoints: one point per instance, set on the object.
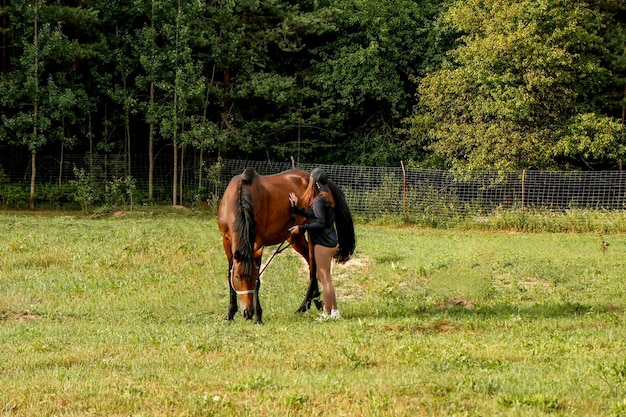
(152, 62)
(69, 106)
(113, 90)
(524, 89)
(260, 54)
(43, 91)
(364, 73)
(175, 80)
(29, 88)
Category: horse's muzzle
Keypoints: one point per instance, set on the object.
(248, 313)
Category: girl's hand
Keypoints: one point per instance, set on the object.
(293, 199)
(294, 230)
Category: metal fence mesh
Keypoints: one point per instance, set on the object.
(394, 190)
(371, 191)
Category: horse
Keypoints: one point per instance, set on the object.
(255, 212)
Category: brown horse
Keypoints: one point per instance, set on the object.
(255, 212)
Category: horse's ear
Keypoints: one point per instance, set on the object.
(238, 256)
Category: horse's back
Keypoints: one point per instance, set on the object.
(291, 178)
(272, 208)
(270, 194)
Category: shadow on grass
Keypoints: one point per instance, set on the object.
(458, 309)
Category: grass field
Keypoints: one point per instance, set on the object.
(123, 316)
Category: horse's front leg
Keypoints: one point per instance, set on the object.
(232, 306)
(258, 311)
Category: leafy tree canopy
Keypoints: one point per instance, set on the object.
(527, 87)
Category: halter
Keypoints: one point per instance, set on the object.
(278, 250)
(232, 285)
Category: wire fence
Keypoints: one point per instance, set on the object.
(370, 191)
(375, 191)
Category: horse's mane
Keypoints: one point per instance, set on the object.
(245, 224)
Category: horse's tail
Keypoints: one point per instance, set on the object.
(245, 223)
(344, 225)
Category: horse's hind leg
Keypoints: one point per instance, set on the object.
(314, 293)
(301, 246)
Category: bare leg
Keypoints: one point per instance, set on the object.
(301, 246)
(323, 259)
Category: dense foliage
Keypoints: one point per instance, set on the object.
(532, 84)
(484, 84)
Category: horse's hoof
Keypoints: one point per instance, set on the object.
(319, 304)
(229, 319)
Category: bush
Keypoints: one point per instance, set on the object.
(52, 194)
(121, 191)
(14, 195)
(83, 193)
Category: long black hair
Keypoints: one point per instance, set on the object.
(344, 225)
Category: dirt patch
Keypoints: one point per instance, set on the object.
(346, 287)
(506, 281)
(440, 326)
(18, 316)
(342, 274)
(456, 302)
(360, 265)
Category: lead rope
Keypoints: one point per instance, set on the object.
(280, 247)
(278, 250)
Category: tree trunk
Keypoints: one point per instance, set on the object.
(175, 182)
(182, 175)
(61, 164)
(33, 166)
(62, 151)
(623, 123)
(5, 45)
(201, 164)
(128, 167)
(127, 128)
(151, 148)
(33, 175)
(90, 146)
(624, 108)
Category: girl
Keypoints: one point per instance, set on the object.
(327, 208)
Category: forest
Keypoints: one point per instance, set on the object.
(449, 84)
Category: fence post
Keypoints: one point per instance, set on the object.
(523, 187)
(404, 203)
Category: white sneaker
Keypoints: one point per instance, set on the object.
(323, 317)
(334, 315)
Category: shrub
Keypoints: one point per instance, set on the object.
(83, 193)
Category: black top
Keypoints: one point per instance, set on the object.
(321, 225)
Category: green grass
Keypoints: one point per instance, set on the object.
(123, 316)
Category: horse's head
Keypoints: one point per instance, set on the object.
(244, 279)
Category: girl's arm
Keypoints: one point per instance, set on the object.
(318, 218)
